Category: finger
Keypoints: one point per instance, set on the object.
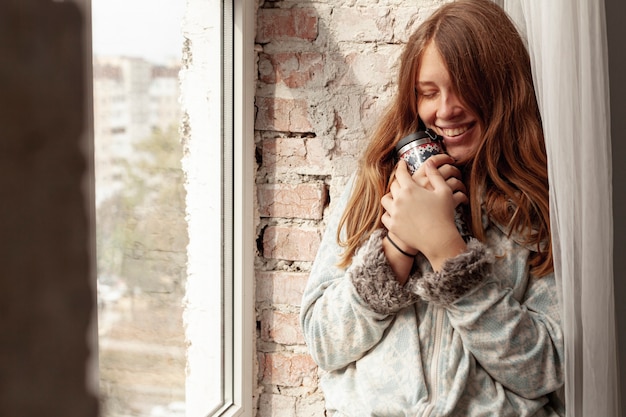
(394, 187)
(459, 198)
(448, 171)
(456, 185)
(386, 202)
(441, 159)
(386, 220)
(419, 177)
(442, 162)
(403, 178)
(434, 176)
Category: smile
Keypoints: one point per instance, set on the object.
(456, 131)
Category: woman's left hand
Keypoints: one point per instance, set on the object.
(424, 218)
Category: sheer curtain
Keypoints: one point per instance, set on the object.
(568, 48)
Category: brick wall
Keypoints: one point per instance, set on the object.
(325, 72)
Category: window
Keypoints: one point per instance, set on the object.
(195, 356)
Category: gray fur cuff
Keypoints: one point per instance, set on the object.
(374, 280)
(457, 277)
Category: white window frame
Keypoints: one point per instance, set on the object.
(241, 363)
(232, 343)
(237, 282)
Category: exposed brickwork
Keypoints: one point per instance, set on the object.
(325, 73)
(294, 243)
(288, 369)
(286, 24)
(293, 69)
(272, 404)
(304, 201)
(294, 155)
(279, 327)
(280, 287)
(282, 115)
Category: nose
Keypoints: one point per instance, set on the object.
(449, 106)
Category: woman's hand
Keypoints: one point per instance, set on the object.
(450, 173)
(419, 210)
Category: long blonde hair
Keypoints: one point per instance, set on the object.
(507, 176)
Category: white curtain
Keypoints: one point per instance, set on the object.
(568, 47)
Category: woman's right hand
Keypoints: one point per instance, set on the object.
(450, 173)
(420, 211)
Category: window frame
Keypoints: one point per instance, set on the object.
(238, 369)
(237, 282)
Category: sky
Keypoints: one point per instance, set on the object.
(149, 29)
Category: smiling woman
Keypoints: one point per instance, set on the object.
(442, 108)
(395, 273)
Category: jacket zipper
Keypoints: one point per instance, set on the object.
(434, 366)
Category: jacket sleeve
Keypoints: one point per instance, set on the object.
(512, 328)
(345, 312)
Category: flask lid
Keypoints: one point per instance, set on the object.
(419, 135)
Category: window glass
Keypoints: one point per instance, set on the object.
(141, 230)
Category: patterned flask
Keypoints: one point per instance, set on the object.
(417, 148)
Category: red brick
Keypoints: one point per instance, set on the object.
(286, 24)
(303, 201)
(280, 287)
(291, 243)
(282, 328)
(295, 70)
(282, 115)
(294, 155)
(289, 369)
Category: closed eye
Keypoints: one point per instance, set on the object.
(427, 94)
(427, 89)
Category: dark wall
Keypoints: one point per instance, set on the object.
(616, 16)
(46, 299)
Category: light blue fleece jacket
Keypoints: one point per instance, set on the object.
(480, 338)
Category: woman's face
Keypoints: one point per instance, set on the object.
(441, 109)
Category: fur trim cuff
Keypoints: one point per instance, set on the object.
(457, 277)
(374, 280)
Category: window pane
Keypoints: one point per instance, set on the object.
(141, 230)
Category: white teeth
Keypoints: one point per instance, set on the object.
(455, 132)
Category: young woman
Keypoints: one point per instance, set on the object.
(405, 316)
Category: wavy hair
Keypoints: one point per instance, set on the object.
(507, 177)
